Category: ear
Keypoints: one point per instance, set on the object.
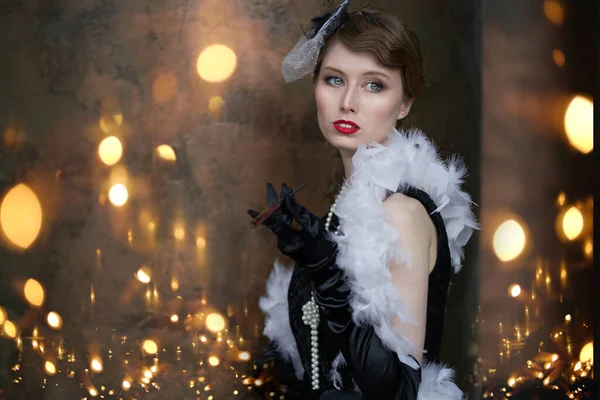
(406, 105)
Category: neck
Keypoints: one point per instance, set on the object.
(347, 161)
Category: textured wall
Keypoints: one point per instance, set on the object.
(68, 64)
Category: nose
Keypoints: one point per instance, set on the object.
(349, 101)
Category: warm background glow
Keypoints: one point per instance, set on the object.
(215, 322)
(166, 152)
(34, 292)
(572, 223)
(118, 194)
(509, 240)
(579, 124)
(21, 216)
(216, 63)
(110, 150)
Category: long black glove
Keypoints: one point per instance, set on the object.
(376, 370)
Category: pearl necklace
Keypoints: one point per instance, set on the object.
(310, 312)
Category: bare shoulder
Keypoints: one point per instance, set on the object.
(416, 230)
(403, 209)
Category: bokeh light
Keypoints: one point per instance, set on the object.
(110, 150)
(572, 223)
(216, 63)
(558, 57)
(150, 346)
(10, 329)
(118, 194)
(21, 216)
(587, 353)
(166, 152)
(579, 124)
(215, 322)
(110, 123)
(554, 12)
(3, 316)
(54, 320)
(34, 292)
(213, 360)
(514, 290)
(144, 275)
(50, 368)
(96, 364)
(509, 240)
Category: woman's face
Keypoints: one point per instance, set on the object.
(358, 99)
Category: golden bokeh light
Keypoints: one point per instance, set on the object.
(179, 233)
(126, 385)
(174, 318)
(144, 275)
(34, 292)
(21, 216)
(587, 353)
(54, 320)
(10, 329)
(216, 63)
(118, 194)
(110, 150)
(558, 57)
(514, 290)
(215, 322)
(561, 199)
(174, 284)
(164, 87)
(214, 360)
(554, 12)
(509, 240)
(588, 248)
(244, 355)
(109, 123)
(150, 346)
(3, 316)
(50, 368)
(572, 223)
(215, 104)
(93, 392)
(201, 243)
(579, 124)
(96, 364)
(166, 152)
(148, 374)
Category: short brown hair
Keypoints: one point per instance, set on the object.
(394, 43)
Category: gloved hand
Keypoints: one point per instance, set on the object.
(308, 246)
(311, 249)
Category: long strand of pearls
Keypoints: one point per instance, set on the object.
(310, 312)
(310, 317)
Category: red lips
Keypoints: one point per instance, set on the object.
(345, 127)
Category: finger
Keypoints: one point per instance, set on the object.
(271, 195)
(305, 218)
(253, 213)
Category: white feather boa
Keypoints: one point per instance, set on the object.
(369, 244)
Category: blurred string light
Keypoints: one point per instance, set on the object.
(166, 152)
(579, 124)
(514, 290)
(215, 322)
(110, 150)
(216, 63)
(558, 57)
(587, 353)
(109, 123)
(554, 12)
(572, 223)
(54, 320)
(21, 216)
(509, 240)
(34, 292)
(3, 316)
(118, 194)
(143, 275)
(150, 346)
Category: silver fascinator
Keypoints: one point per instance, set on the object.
(302, 59)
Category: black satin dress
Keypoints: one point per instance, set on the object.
(300, 292)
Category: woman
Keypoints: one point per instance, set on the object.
(360, 315)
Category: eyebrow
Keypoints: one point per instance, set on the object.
(378, 73)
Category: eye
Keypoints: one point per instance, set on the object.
(374, 86)
(334, 80)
